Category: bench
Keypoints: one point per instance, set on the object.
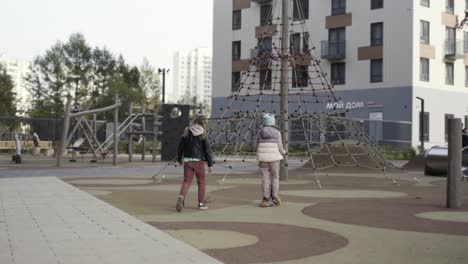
(45, 147)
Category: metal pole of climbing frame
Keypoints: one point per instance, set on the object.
(116, 130)
(284, 88)
(65, 127)
(454, 175)
(130, 135)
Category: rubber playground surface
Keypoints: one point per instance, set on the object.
(357, 217)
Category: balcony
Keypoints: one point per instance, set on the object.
(333, 50)
(454, 49)
(261, 57)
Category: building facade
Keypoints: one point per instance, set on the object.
(192, 77)
(18, 70)
(380, 55)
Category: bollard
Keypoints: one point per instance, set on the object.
(454, 176)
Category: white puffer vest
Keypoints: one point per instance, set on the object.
(269, 146)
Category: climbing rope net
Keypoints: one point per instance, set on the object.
(320, 135)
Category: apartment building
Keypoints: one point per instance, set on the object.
(380, 56)
(17, 70)
(192, 76)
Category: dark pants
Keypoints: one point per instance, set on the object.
(197, 168)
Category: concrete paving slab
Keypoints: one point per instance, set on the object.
(44, 220)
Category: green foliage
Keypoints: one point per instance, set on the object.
(7, 95)
(90, 75)
(398, 153)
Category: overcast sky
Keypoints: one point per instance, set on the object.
(135, 28)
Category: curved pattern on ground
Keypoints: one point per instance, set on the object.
(445, 216)
(396, 214)
(209, 239)
(115, 181)
(301, 242)
(344, 194)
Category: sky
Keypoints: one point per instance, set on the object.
(154, 29)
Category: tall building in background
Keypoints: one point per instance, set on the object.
(192, 77)
(380, 56)
(18, 70)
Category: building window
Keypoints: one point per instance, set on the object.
(426, 3)
(465, 42)
(236, 19)
(265, 15)
(466, 76)
(235, 81)
(377, 34)
(449, 73)
(426, 126)
(376, 4)
(424, 32)
(295, 43)
(236, 50)
(424, 70)
(301, 9)
(376, 70)
(265, 80)
(338, 73)
(338, 7)
(450, 41)
(449, 6)
(447, 117)
(300, 76)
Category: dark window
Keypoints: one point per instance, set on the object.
(300, 76)
(295, 43)
(424, 70)
(235, 81)
(265, 15)
(424, 32)
(376, 70)
(426, 126)
(449, 6)
(449, 73)
(300, 9)
(465, 42)
(377, 34)
(236, 19)
(336, 42)
(447, 117)
(426, 3)
(466, 122)
(265, 80)
(450, 41)
(338, 7)
(305, 41)
(466, 76)
(236, 50)
(338, 73)
(376, 4)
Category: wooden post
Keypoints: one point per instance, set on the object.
(454, 176)
(130, 135)
(63, 139)
(116, 130)
(284, 88)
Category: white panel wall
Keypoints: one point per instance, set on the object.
(440, 99)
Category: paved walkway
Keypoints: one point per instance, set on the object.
(44, 220)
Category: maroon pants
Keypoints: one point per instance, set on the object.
(191, 168)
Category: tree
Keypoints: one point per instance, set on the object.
(149, 83)
(7, 95)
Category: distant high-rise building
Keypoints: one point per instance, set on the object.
(17, 70)
(192, 77)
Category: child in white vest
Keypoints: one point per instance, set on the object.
(270, 152)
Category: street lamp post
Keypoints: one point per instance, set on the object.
(163, 71)
(421, 123)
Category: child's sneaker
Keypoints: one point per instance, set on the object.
(180, 203)
(202, 206)
(265, 202)
(276, 200)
